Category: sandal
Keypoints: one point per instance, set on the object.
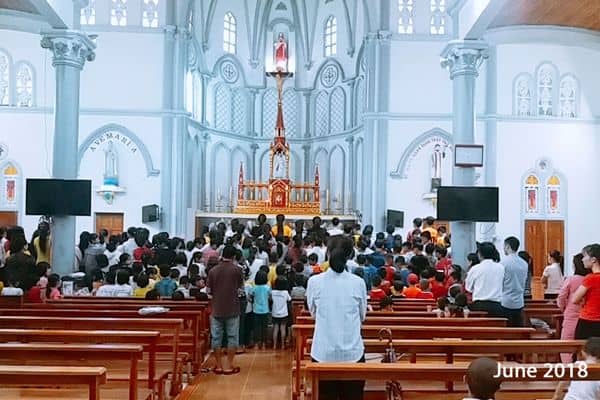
(235, 370)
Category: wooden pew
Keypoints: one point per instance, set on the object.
(191, 321)
(147, 339)
(11, 301)
(422, 321)
(21, 375)
(428, 314)
(303, 332)
(317, 372)
(170, 331)
(36, 353)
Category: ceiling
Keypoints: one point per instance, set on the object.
(24, 6)
(573, 13)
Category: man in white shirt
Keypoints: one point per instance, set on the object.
(485, 281)
(130, 245)
(336, 227)
(317, 248)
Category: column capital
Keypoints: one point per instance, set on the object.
(254, 147)
(306, 147)
(350, 139)
(464, 57)
(71, 48)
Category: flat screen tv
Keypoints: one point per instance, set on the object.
(150, 213)
(395, 218)
(58, 197)
(467, 203)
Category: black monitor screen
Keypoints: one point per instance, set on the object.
(150, 213)
(58, 197)
(41, 196)
(464, 203)
(395, 218)
(77, 197)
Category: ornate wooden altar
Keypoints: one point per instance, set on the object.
(279, 195)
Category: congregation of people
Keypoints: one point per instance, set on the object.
(251, 272)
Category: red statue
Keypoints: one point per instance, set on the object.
(281, 53)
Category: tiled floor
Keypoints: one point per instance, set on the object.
(265, 374)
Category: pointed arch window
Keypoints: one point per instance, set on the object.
(10, 177)
(545, 89)
(330, 37)
(406, 22)
(150, 14)
(567, 97)
(437, 23)
(24, 85)
(532, 189)
(87, 15)
(229, 33)
(4, 78)
(118, 13)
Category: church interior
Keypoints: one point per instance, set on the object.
(148, 145)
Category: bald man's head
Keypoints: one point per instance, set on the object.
(480, 378)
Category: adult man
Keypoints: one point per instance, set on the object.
(130, 245)
(223, 284)
(484, 281)
(515, 275)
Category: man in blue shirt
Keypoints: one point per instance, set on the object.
(513, 288)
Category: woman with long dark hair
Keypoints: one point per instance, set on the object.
(337, 300)
(553, 275)
(43, 244)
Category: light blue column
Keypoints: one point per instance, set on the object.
(491, 132)
(70, 50)
(203, 168)
(306, 95)
(254, 148)
(309, 174)
(167, 221)
(252, 92)
(463, 59)
(351, 185)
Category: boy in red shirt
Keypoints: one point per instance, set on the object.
(444, 262)
(377, 293)
(389, 268)
(437, 285)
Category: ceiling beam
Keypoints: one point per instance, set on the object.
(58, 13)
(475, 16)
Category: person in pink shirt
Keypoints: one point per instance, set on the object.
(565, 303)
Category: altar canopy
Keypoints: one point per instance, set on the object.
(279, 195)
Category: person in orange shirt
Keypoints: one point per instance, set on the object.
(313, 263)
(428, 227)
(412, 291)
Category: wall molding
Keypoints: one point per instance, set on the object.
(544, 34)
(480, 117)
(158, 113)
(83, 147)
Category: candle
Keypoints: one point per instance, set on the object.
(230, 193)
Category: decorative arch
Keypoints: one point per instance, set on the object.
(337, 110)
(324, 65)
(546, 88)
(233, 59)
(222, 107)
(523, 94)
(235, 167)
(281, 20)
(543, 192)
(290, 111)
(97, 135)
(215, 150)
(337, 181)
(360, 98)
(11, 191)
(269, 111)
(239, 111)
(263, 173)
(415, 147)
(568, 96)
(6, 71)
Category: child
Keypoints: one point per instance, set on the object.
(53, 291)
(389, 267)
(412, 291)
(480, 379)
(402, 268)
(584, 390)
(184, 286)
(143, 286)
(166, 286)
(385, 283)
(425, 290)
(437, 285)
(281, 299)
(180, 264)
(122, 289)
(152, 275)
(299, 289)
(272, 275)
(386, 304)
(12, 289)
(313, 258)
(376, 293)
(260, 294)
(397, 289)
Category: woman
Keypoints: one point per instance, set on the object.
(588, 295)
(565, 303)
(338, 302)
(529, 260)
(552, 278)
(43, 244)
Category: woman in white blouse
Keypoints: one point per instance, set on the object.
(552, 278)
(337, 300)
